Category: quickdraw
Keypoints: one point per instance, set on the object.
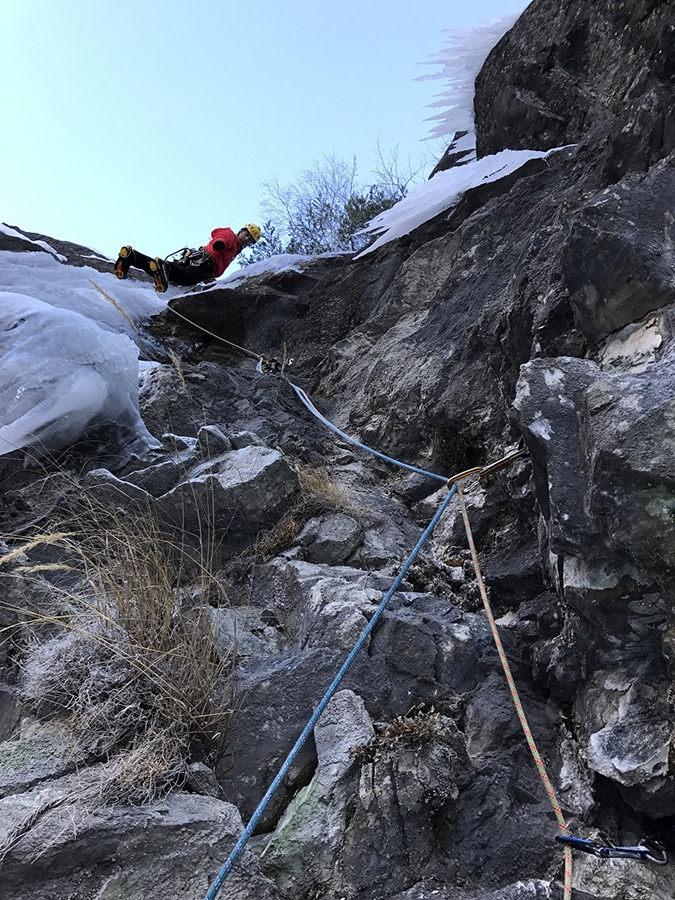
(645, 851)
(271, 366)
(483, 471)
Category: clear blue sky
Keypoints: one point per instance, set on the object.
(150, 122)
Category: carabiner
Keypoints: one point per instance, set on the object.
(481, 471)
(268, 366)
(644, 851)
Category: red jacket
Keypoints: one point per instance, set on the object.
(222, 258)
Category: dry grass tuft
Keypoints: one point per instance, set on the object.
(39, 541)
(121, 647)
(413, 731)
(318, 493)
(114, 303)
(179, 369)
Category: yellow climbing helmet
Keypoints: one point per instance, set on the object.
(253, 230)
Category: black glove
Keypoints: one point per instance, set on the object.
(219, 245)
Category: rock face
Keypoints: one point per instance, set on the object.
(569, 68)
(168, 848)
(538, 310)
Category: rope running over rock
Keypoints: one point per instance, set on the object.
(307, 730)
(315, 412)
(548, 787)
(308, 403)
(452, 485)
(243, 350)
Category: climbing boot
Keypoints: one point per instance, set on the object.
(123, 262)
(159, 273)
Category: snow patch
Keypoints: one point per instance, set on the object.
(273, 265)
(554, 378)
(541, 427)
(43, 245)
(442, 192)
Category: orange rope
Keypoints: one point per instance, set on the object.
(567, 890)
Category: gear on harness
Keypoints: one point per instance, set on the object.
(645, 851)
(189, 256)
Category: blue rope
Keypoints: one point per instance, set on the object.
(315, 412)
(255, 818)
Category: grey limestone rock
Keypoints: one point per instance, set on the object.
(331, 538)
(241, 492)
(303, 851)
(60, 843)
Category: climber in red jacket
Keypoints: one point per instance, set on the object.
(191, 266)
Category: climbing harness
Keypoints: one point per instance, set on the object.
(188, 256)
(645, 851)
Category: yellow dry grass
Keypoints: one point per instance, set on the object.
(131, 658)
